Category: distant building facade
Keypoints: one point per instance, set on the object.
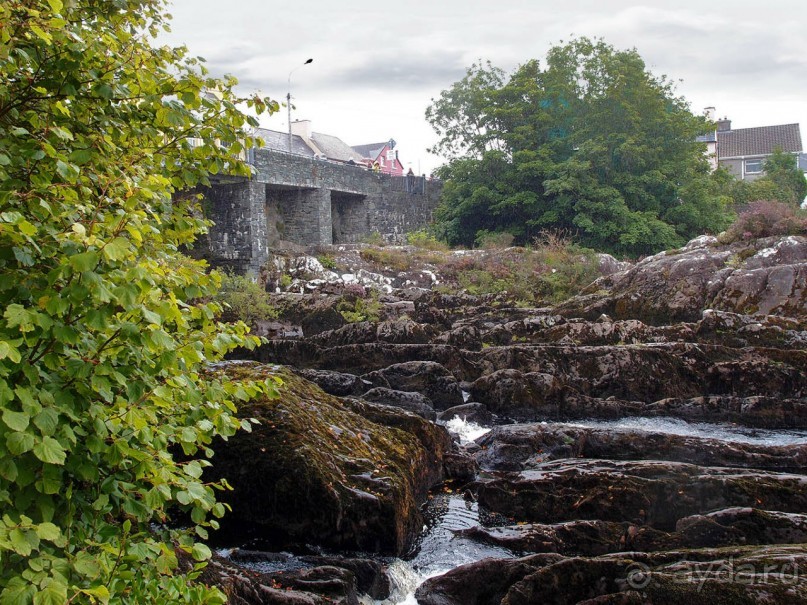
(743, 151)
(383, 155)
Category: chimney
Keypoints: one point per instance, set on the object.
(723, 125)
(709, 112)
(302, 128)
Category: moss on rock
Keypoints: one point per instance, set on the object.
(314, 471)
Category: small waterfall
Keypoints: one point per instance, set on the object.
(466, 431)
(440, 550)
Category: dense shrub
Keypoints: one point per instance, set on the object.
(107, 329)
(245, 300)
(764, 219)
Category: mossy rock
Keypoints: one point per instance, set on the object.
(316, 471)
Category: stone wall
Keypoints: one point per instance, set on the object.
(305, 201)
(300, 171)
(238, 239)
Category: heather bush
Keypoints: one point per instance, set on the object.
(764, 219)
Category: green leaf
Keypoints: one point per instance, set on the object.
(80, 156)
(17, 592)
(84, 261)
(201, 552)
(151, 316)
(87, 566)
(101, 593)
(117, 249)
(47, 421)
(55, 593)
(48, 531)
(56, 5)
(20, 542)
(18, 316)
(9, 352)
(41, 33)
(49, 450)
(68, 172)
(27, 228)
(19, 443)
(16, 421)
(8, 470)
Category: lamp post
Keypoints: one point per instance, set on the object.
(288, 97)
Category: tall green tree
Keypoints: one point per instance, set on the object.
(784, 178)
(592, 143)
(105, 331)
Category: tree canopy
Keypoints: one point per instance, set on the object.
(592, 143)
(105, 332)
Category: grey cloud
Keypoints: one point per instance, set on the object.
(400, 71)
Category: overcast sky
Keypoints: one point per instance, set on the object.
(378, 64)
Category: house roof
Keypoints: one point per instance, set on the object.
(762, 140)
(333, 147)
(272, 139)
(371, 150)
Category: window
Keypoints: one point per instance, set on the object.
(753, 166)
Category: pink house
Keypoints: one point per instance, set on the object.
(384, 153)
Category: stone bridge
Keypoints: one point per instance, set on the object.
(305, 201)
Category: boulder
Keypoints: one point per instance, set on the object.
(410, 401)
(370, 575)
(426, 377)
(310, 585)
(404, 331)
(727, 527)
(482, 583)
(352, 333)
(630, 372)
(758, 277)
(470, 412)
(316, 471)
(516, 394)
(335, 383)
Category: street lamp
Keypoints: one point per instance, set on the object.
(288, 97)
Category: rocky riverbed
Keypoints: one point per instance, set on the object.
(648, 442)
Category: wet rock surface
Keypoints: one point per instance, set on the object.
(605, 513)
(527, 446)
(320, 469)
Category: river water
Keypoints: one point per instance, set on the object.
(440, 550)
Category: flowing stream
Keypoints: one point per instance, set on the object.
(723, 432)
(440, 550)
